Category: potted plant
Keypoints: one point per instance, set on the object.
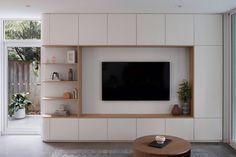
(19, 105)
(184, 93)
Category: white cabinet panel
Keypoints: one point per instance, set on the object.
(182, 128)
(64, 29)
(45, 129)
(45, 29)
(93, 29)
(64, 129)
(150, 127)
(208, 81)
(208, 129)
(121, 129)
(122, 29)
(93, 129)
(208, 29)
(150, 29)
(179, 29)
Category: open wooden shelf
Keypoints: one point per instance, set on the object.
(63, 81)
(60, 46)
(58, 98)
(53, 116)
(60, 63)
(132, 116)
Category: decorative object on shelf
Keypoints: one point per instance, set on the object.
(75, 93)
(184, 96)
(19, 105)
(67, 95)
(55, 76)
(47, 60)
(176, 110)
(61, 111)
(70, 74)
(160, 139)
(71, 56)
(54, 59)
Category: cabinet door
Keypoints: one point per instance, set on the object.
(45, 129)
(208, 81)
(93, 29)
(150, 29)
(64, 129)
(179, 30)
(150, 127)
(64, 29)
(121, 129)
(208, 29)
(182, 128)
(45, 29)
(122, 29)
(93, 129)
(208, 129)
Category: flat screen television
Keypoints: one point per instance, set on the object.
(135, 81)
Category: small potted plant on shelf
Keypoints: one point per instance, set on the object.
(184, 93)
(19, 105)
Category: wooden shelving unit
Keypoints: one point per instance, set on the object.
(60, 66)
(78, 85)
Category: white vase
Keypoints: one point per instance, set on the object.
(20, 114)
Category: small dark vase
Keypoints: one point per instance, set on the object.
(176, 110)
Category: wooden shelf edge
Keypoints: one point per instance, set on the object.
(133, 116)
(64, 81)
(55, 46)
(53, 116)
(59, 63)
(58, 98)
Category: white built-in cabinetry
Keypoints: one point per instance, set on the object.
(208, 129)
(179, 29)
(149, 126)
(202, 32)
(121, 29)
(208, 77)
(93, 29)
(121, 129)
(180, 127)
(208, 29)
(63, 129)
(60, 29)
(92, 129)
(151, 29)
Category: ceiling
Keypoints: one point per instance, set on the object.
(34, 8)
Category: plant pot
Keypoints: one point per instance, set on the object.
(20, 114)
(185, 108)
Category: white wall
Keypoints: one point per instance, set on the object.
(1, 74)
(91, 72)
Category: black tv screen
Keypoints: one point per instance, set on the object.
(135, 81)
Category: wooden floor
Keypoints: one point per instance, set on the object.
(32, 146)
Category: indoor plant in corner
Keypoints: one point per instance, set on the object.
(184, 93)
(19, 105)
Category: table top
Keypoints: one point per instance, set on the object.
(175, 147)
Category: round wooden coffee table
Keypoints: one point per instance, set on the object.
(177, 147)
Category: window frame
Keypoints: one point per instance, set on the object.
(20, 40)
(4, 44)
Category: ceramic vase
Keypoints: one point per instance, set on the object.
(176, 110)
(185, 108)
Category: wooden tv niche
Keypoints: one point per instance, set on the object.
(79, 104)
